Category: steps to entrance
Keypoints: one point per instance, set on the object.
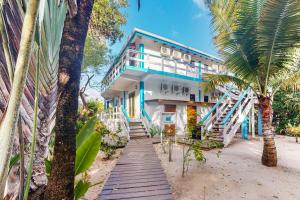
(137, 130)
(138, 175)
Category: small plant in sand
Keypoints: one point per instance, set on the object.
(294, 131)
(154, 130)
(189, 148)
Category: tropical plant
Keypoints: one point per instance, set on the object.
(286, 110)
(70, 60)
(154, 130)
(259, 41)
(53, 13)
(9, 122)
(294, 131)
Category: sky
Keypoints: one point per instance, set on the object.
(184, 21)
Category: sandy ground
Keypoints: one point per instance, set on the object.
(99, 172)
(237, 173)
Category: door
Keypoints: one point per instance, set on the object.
(132, 105)
(191, 115)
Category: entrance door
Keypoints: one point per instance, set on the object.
(132, 105)
(191, 115)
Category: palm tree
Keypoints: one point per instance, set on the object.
(8, 125)
(259, 41)
(51, 31)
(61, 181)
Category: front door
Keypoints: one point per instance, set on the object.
(132, 105)
(191, 116)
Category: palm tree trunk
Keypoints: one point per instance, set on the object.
(61, 181)
(8, 125)
(269, 156)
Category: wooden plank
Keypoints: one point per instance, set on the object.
(136, 189)
(136, 194)
(126, 181)
(137, 175)
(131, 185)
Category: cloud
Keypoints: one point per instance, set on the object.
(201, 4)
(203, 9)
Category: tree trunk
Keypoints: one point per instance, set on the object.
(8, 125)
(269, 156)
(61, 181)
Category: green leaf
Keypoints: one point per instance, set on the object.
(85, 131)
(87, 152)
(81, 188)
(13, 161)
(48, 165)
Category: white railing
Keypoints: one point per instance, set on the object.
(238, 117)
(114, 121)
(150, 61)
(221, 108)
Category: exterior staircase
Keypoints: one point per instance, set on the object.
(224, 120)
(137, 130)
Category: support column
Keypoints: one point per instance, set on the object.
(142, 56)
(259, 123)
(253, 120)
(124, 100)
(245, 129)
(142, 96)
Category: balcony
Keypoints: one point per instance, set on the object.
(136, 63)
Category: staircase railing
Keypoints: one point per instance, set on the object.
(208, 119)
(146, 120)
(236, 116)
(126, 120)
(115, 120)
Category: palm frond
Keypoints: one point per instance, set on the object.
(234, 25)
(277, 31)
(212, 80)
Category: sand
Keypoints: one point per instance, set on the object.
(237, 173)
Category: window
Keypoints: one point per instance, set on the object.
(206, 98)
(170, 108)
(192, 97)
(199, 97)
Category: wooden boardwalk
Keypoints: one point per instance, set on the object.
(137, 175)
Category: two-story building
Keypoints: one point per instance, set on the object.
(157, 81)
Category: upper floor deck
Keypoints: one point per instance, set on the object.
(147, 53)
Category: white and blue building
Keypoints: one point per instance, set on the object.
(156, 81)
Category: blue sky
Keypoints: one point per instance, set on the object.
(185, 21)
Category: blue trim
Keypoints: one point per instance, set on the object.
(164, 73)
(144, 113)
(124, 100)
(199, 70)
(154, 72)
(245, 129)
(126, 114)
(234, 107)
(214, 108)
(259, 123)
(141, 49)
(142, 95)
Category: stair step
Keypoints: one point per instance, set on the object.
(138, 136)
(137, 128)
(135, 123)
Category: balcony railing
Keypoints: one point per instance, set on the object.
(137, 59)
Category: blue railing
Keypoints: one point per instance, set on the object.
(144, 113)
(215, 107)
(235, 106)
(125, 114)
